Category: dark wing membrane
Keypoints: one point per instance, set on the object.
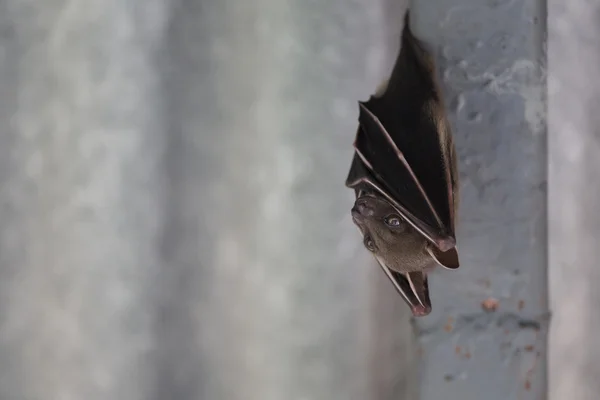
(410, 109)
(357, 173)
(413, 287)
(374, 147)
(361, 178)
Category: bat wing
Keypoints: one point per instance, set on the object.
(404, 146)
(414, 289)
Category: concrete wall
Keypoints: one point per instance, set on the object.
(574, 182)
(174, 221)
(174, 218)
(492, 64)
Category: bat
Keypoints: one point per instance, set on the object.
(404, 175)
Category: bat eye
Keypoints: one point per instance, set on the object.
(393, 221)
(369, 244)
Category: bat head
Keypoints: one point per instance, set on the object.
(403, 253)
(391, 239)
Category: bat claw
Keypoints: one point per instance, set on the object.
(421, 310)
(446, 244)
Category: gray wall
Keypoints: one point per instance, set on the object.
(493, 69)
(174, 220)
(574, 183)
(175, 226)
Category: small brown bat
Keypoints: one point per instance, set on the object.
(404, 174)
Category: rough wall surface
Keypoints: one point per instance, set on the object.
(492, 67)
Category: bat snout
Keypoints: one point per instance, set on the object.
(363, 208)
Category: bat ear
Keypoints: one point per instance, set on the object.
(447, 259)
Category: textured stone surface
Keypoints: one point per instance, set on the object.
(486, 339)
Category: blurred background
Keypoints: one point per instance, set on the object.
(174, 223)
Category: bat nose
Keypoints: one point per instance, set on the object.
(362, 207)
